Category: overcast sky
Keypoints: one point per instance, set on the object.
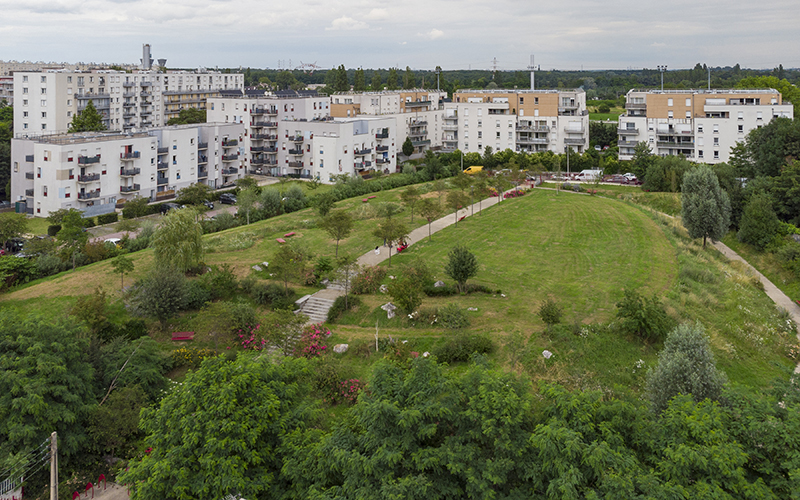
(454, 34)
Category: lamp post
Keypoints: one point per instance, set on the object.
(566, 151)
(662, 69)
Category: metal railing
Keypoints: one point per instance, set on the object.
(89, 178)
(130, 156)
(202, 145)
(89, 195)
(129, 172)
(86, 160)
(129, 189)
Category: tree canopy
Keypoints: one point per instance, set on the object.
(178, 241)
(188, 115)
(705, 207)
(88, 120)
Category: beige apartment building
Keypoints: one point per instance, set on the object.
(701, 125)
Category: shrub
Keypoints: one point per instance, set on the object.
(311, 343)
(419, 273)
(453, 317)
(220, 282)
(267, 293)
(48, 265)
(461, 347)
(368, 280)
(550, 312)
(53, 229)
(294, 199)
(128, 225)
(196, 295)
(406, 293)
(137, 207)
(642, 316)
(338, 307)
(133, 329)
(89, 222)
(347, 392)
(759, 224)
(109, 218)
(191, 356)
(461, 265)
(242, 316)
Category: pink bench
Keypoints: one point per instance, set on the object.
(288, 235)
(176, 336)
(280, 240)
(365, 200)
(370, 197)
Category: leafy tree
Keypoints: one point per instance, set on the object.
(409, 80)
(92, 310)
(289, 263)
(347, 268)
(178, 241)
(767, 149)
(440, 186)
(789, 92)
(462, 181)
(72, 235)
(88, 120)
(341, 84)
(759, 225)
(376, 84)
(283, 330)
(359, 81)
(138, 363)
(480, 185)
(389, 209)
(391, 80)
(685, 366)
(410, 197)
(47, 383)
(271, 203)
(408, 147)
(294, 199)
(324, 203)
(785, 191)
(246, 200)
(338, 225)
(286, 80)
(642, 159)
(187, 116)
(122, 265)
(461, 266)
(160, 294)
(406, 293)
(12, 226)
(430, 210)
(433, 165)
(134, 208)
(550, 312)
(247, 183)
(457, 200)
(706, 208)
(642, 316)
(115, 425)
(391, 230)
(194, 194)
(234, 418)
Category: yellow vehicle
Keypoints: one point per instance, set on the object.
(473, 169)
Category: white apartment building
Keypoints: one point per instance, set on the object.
(292, 133)
(521, 120)
(418, 113)
(98, 171)
(7, 89)
(45, 102)
(701, 125)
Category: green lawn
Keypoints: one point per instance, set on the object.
(768, 264)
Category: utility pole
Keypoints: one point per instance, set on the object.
(662, 69)
(53, 466)
(532, 69)
(709, 77)
(566, 150)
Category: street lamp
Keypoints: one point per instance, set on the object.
(662, 69)
(566, 150)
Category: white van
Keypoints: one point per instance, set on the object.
(589, 175)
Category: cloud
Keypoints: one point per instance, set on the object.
(377, 15)
(434, 34)
(345, 23)
(403, 43)
(658, 44)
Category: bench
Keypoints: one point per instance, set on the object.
(288, 235)
(280, 240)
(373, 196)
(176, 336)
(364, 200)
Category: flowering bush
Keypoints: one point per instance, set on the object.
(191, 356)
(346, 392)
(249, 339)
(368, 280)
(514, 194)
(310, 344)
(492, 191)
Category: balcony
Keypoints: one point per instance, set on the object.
(382, 135)
(129, 172)
(425, 142)
(162, 165)
(29, 175)
(257, 111)
(675, 145)
(531, 140)
(147, 84)
(296, 164)
(128, 104)
(381, 161)
(201, 173)
(628, 131)
(574, 142)
(146, 123)
(127, 84)
(129, 94)
(230, 157)
(202, 145)
(271, 162)
(29, 158)
(128, 115)
(129, 189)
(202, 160)
(133, 155)
(162, 180)
(362, 152)
(88, 160)
(29, 192)
(454, 127)
(88, 178)
(627, 144)
(269, 137)
(574, 130)
(270, 149)
(257, 149)
(533, 128)
(144, 93)
(419, 133)
(636, 105)
(296, 138)
(89, 195)
(258, 161)
(417, 104)
(265, 124)
(420, 123)
(381, 149)
(163, 151)
(296, 152)
(230, 143)
(230, 171)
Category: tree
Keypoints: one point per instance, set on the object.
(247, 183)
(359, 81)
(114, 425)
(271, 203)
(12, 226)
(88, 120)
(122, 265)
(461, 266)
(72, 235)
(440, 186)
(92, 310)
(341, 84)
(376, 84)
(408, 147)
(391, 80)
(410, 197)
(246, 200)
(406, 293)
(338, 225)
(285, 80)
(430, 211)
(187, 116)
(785, 191)
(500, 183)
(138, 363)
(481, 187)
(685, 366)
(391, 230)
(160, 294)
(234, 418)
(706, 208)
(642, 159)
(759, 224)
(324, 203)
(194, 194)
(178, 241)
(457, 200)
(347, 267)
(409, 80)
(289, 263)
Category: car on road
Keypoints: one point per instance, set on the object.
(209, 205)
(227, 198)
(166, 207)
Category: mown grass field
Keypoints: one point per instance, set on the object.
(768, 264)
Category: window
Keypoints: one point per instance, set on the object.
(688, 102)
(716, 141)
(44, 126)
(69, 102)
(480, 122)
(44, 190)
(716, 128)
(688, 115)
(669, 102)
(741, 115)
(480, 111)
(759, 115)
(24, 125)
(699, 153)
(24, 90)
(25, 78)
(480, 134)
(522, 100)
(497, 123)
(716, 155)
(741, 128)
(44, 90)
(536, 100)
(44, 103)
(24, 102)
(24, 114)
(498, 135)
(44, 114)
(669, 114)
(700, 129)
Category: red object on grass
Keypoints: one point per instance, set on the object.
(370, 197)
(365, 200)
(288, 235)
(280, 240)
(75, 495)
(181, 336)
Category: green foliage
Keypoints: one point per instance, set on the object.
(368, 280)
(407, 148)
(194, 194)
(88, 120)
(643, 317)
(53, 229)
(92, 310)
(410, 198)
(140, 363)
(12, 226)
(161, 294)
(178, 241)
(114, 426)
(391, 79)
(283, 330)
(289, 263)
(461, 347)
(109, 218)
(685, 366)
(270, 201)
(785, 191)
(246, 201)
(759, 224)
(666, 174)
(452, 317)
(232, 417)
(135, 208)
(122, 265)
(430, 210)
(359, 81)
(642, 159)
(550, 312)
(461, 265)
(706, 208)
(195, 295)
(391, 231)
(187, 116)
(294, 199)
(72, 235)
(324, 202)
(340, 305)
(338, 225)
(406, 293)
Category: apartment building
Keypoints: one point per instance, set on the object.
(292, 133)
(98, 171)
(418, 113)
(45, 102)
(701, 125)
(521, 120)
(7, 89)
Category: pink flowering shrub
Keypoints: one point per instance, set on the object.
(514, 194)
(346, 392)
(249, 340)
(368, 280)
(311, 344)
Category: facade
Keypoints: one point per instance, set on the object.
(7, 89)
(701, 125)
(418, 113)
(521, 120)
(292, 133)
(8, 68)
(97, 171)
(129, 102)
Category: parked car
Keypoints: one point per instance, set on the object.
(166, 207)
(208, 204)
(227, 198)
(113, 241)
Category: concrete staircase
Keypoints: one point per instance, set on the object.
(316, 308)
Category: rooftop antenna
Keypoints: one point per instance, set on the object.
(661, 70)
(709, 77)
(532, 69)
(438, 71)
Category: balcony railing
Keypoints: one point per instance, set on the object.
(417, 104)
(162, 180)
(147, 84)
(418, 124)
(675, 145)
(265, 124)
(145, 93)
(162, 165)
(533, 128)
(129, 172)
(163, 151)
(361, 152)
(202, 145)
(574, 130)
(130, 156)
(89, 195)
(627, 143)
(421, 143)
(382, 135)
(29, 192)
(128, 104)
(87, 160)
(381, 149)
(29, 175)
(29, 158)
(295, 151)
(201, 172)
(381, 161)
(269, 137)
(230, 171)
(296, 138)
(230, 157)
(128, 115)
(635, 105)
(89, 178)
(258, 161)
(230, 143)
(454, 127)
(256, 149)
(202, 159)
(257, 111)
(532, 140)
(129, 189)
(628, 131)
(296, 164)
(575, 142)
